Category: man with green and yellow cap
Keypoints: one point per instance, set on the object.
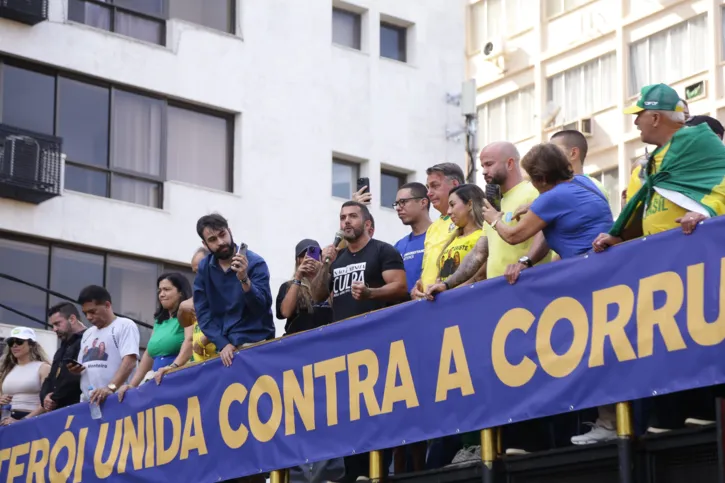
(684, 174)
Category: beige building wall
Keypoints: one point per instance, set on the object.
(557, 63)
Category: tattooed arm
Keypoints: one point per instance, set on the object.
(469, 267)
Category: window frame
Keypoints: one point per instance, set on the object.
(403, 37)
(109, 170)
(113, 8)
(402, 180)
(483, 124)
(344, 162)
(232, 10)
(357, 27)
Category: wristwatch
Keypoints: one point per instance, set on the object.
(526, 261)
(112, 387)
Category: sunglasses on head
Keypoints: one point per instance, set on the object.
(12, 342)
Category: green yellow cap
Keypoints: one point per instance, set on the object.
(657, 97)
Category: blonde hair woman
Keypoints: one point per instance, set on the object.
(23, 369)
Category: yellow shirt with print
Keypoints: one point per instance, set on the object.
(500, 253)
(454, 253)
(661, 213)
(209, 349)
(436, 237)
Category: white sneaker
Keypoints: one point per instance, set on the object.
(515, 452)
(598, 434)
(697, 423)
(654, 430)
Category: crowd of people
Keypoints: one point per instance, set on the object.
(544, 208)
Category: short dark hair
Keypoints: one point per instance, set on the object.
(547, 163)
(215, 221)
(182, 285)
(94, 293)
(418, 190)
(450, 170)
(363, 211)
(574, 139)
(66, 309)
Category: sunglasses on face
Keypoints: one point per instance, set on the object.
(12, 342)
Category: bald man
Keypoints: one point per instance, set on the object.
(493, 257)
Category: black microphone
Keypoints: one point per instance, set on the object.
(339, 236)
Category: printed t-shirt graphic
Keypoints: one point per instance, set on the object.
(456, 251)
(103, 349)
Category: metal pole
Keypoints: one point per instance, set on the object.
(625, 433)
(489, 447)
(376, 465)
(279, 476)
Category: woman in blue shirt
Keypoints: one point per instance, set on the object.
(570, 210)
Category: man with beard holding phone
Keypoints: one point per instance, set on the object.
(232, 297)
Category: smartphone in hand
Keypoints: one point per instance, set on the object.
(242, 250)
(362, 183)
(314, 252)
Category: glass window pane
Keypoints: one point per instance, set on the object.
(28, 262)
(390, 183)
(344, 179)
(71, 271)
(132, 285)
(139, 28)
(151, 7)
(89, 14)
(137, 133)
(392, 42)
(83, 121)
(185, 271)
(477, 25)
(211, 13)
(346, 28)
(135, 191)
(494, 19)
(86, 180)
(554, 7)
(610, 180)
(638, 67)
(28, 100)
(198, 149)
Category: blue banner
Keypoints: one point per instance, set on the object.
(644, 318)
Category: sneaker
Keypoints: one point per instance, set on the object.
(515, 452)
(471, 453)
(654, 430)
(697, 423)
(598, 434)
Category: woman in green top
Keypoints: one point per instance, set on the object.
(168, 346)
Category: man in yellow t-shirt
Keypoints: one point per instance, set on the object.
(442, 178)
(492, 256)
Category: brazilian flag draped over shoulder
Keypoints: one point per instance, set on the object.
(694, 167)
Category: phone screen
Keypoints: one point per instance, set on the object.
(314, 252)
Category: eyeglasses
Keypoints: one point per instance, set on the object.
(402, 201)
(12, 342)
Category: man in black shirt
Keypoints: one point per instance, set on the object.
(366, 275)
(61, 388)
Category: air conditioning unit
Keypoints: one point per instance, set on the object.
(696, 91)
(29, 12)
(494, 52)
(31, 165)
(583, 125)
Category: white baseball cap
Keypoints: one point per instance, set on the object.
(24, 333)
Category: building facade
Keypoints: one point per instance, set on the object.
(559, 64)
(266, 112)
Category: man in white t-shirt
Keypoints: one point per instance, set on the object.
(109, 349)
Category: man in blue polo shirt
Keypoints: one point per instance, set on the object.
(232, 297)
(413, 205)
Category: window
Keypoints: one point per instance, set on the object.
(344, 178)
(584, 90)
(185, 271)
(390, 183)
(489, 19)
(28, 262)
(509, 118)
(667, 56)
(119, 144)
(610, 179)
(72, 270)
(193, 136)
(140, 19)
(216, 14)
(346, 28)
(28, 99)
(393, 42)
(557, 7)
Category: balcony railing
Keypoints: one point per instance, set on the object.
(29, 12)
(31, 165)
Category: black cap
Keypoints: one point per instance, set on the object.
(304, 245)
(714, 124)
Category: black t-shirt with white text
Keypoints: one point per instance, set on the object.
(366, 265)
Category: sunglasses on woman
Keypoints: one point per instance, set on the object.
(12, 342)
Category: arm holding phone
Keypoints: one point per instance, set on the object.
(307, 269)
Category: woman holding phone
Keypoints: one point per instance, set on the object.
(294, 300)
